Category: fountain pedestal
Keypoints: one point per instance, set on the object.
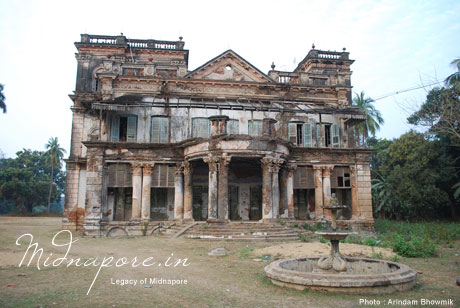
(335, 259)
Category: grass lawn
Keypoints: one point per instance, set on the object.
(235, 280)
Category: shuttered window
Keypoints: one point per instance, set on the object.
(163, 176)
(159, 132)
(200, 128)
(300, 134)
(340, 177)
(307, 135)
(335, 132)
(119, 175)
(304, 178)
(255, 127)
(233, 127)
(124, 128)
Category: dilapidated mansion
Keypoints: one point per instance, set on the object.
(155, 141)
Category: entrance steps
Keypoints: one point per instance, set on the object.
(241, 231)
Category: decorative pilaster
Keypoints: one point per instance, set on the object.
(270, 187)
(179, 192)
(276, 187)
(137, 192)
(146, 188)
(327, 187)
(188, 208)
(354, 192)
(213, 163)
(222, 197)
(267, 208)
(318, 170)
(290, 189)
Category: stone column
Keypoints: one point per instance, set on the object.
(222, 194)
(354, 192)
(290, 190)
(179, 192)
(146, 188)
(276, 188)
(318, 191)
(267, 209)
(188, 207)
(327, 187)
(283, 193)
(137, 192)
(212, 161)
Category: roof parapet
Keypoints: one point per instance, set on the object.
(121, 40)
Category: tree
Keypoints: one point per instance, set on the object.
(24, 179)
(440, 113)
(454, 79)
(413, 178)
(373, 116)
(54, 155)
(2, 99)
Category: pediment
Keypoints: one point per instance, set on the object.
(228, 66)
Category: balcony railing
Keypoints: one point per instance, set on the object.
(132, 43)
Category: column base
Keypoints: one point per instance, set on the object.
(188, 220)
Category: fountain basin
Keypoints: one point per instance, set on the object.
(334, 235)
(363, 275)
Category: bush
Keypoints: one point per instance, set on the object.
(416, 247)
(39, 209)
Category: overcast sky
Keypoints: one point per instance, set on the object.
(396, 45)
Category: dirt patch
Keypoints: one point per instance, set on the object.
(297, 250)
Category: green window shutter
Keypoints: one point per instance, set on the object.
(292, 132)
(233, 127)
(195, 128)
(115, 134)
(155, 130)
(200, 128)
(307, 135)
(131, 129)
(164, 130)
(255, 128)
(335, 132)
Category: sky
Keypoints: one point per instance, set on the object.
(396, 45)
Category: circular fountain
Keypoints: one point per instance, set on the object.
(335, 273)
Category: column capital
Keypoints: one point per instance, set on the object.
(179, 168)
(327, 170)
(213, 162)
(317, 167)
(352, 168)
(187, 167)
(136, 168)
(272, 163)
(225, 160)
(148, 168)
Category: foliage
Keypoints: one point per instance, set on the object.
(24, 180)
(454, 79)
(413, 178)
(54, 155)
(417, 247)
(2, 99)
(440, 114)
(373, 116)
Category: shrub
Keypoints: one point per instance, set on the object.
(416, 247)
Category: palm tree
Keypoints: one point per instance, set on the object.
(54, 155)
(2, 99)
(373, 116)
(454, 79)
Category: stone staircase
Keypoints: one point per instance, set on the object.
(239, 231)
